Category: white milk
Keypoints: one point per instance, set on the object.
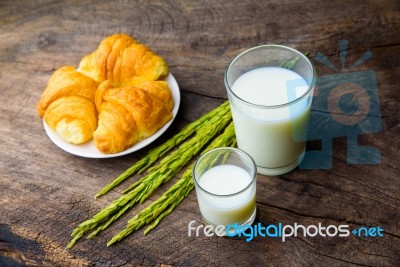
(226, 209)
(274, 137)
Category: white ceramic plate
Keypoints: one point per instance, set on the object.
(89, 150)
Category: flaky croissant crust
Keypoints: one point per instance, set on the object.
(120, 58)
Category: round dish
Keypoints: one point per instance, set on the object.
(89, 150)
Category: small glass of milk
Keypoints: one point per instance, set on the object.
(225, 182)
(270, 89)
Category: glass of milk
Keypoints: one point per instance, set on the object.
(270, 90)
(225, 182)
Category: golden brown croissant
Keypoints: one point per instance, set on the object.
(67, 105)
(119, 58)
(157, 88)
(130, 113)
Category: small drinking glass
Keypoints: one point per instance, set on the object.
(225, 182)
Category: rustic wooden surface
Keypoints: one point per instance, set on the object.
(45, 192)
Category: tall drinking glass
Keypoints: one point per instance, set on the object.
(270, 90)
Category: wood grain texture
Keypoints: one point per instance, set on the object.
(45, 192)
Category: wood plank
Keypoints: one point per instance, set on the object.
(45, 192)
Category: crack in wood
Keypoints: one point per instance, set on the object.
(283, 177)
(332, 257)
(356, 181)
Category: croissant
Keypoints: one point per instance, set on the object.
(157, 88)
(119, 57)
(130, 112)
(67, 105)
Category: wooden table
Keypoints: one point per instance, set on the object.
(45, 192)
